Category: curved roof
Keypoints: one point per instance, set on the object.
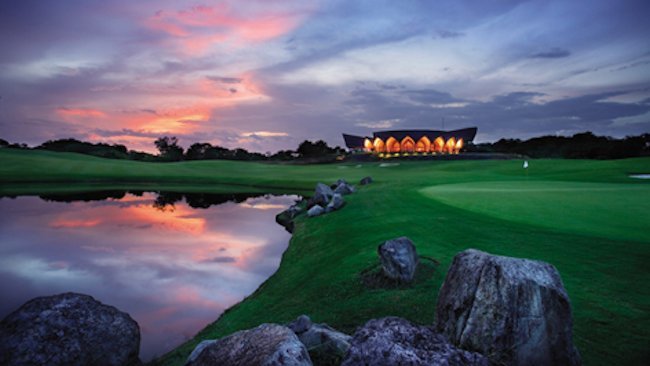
(467, 134)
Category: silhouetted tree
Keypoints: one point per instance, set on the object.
(314, 149)
(169, 149)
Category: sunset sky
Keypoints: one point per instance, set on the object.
(265, 75)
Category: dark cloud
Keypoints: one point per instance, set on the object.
(225, 80)
(221, 259)
(445, 34)
(552, 53)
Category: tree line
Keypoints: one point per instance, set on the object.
(583, 145)
(170, 150)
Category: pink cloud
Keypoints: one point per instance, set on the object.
(80, 112)
(198, 28)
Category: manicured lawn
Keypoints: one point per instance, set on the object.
(585, 217)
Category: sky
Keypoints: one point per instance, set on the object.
(266, 75)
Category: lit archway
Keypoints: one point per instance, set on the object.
(423, 144)
(438, 144)
(459, 145)
(450, 145)
(378, 145)
(367, 145)
(392, 145)
(407, 144)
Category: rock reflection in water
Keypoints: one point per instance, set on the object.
(172, 266)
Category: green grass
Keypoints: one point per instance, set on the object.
(585, 217)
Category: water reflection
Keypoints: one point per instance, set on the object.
(173, 267)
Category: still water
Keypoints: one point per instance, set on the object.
(174, 262)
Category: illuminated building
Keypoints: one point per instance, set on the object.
(406, 142)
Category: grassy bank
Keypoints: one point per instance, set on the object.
(588, 218)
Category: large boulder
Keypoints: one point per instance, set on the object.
(365, 180)
(336, 203)
(396, 341)
(315, 211)
(266, 345)
(399, 259)
(322, 195)
(514, 310)
(321, 340)
(68, 329)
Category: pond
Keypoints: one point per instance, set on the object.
(173, 261)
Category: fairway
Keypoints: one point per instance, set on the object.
(609, 210)
(585, 217)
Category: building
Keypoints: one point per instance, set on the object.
(412, 141)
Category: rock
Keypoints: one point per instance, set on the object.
(344, 189)
(336, 203)
(514, 310)
(321, 340)
(285, 218)
(301, 324)
(341, 181)
(365, 180)
(68, 329)
(396, 341)
(198, 349)
(315, 211)
(399, 259)
(266, 345)
(322, 195)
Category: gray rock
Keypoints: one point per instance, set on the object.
(341, 181)
(198, 349)
(322, 195)
(336, 203)
(396, 341)
(68, 329)
(344, 189)
(301, 324)
(399, 259)
(286, 217)
(514, 310)
(315, 211)
(365, 180)
(266, 345)
(321, 339)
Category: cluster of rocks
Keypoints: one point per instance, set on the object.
(491, 310)
(324, 200)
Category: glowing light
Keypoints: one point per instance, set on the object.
(438, 144)
(407, 145)
(379, 145)
(392, 145)
(423, 145)
(450, 145)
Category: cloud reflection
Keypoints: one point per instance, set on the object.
(174, 270)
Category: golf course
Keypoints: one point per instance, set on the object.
(588, 218)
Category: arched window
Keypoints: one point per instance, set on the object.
(392, 145)
(407, 145)
(423, 144)
(378, 145)
(459, 145)
(450, 145)
(438, 144)
(367, 145)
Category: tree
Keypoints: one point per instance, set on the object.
(314, 149)
(169, 149)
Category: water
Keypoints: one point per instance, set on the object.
(174, 262)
